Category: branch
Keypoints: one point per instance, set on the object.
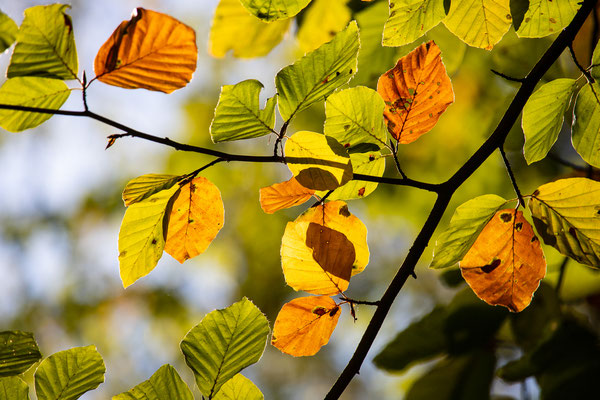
(507, 77)
(512, 176)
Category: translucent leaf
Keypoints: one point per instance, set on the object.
(144, 186)
(283, 195)
(151, 51)
(14, 388)
(196, 218)
(411, 19)
(30, 92)
(223, 343)
(239, 388)
(543, 117)
(416, 92)
(45, 44)
(70, 373)
(586, 124)
(304, 325)
(595, 71)
(321, 22)
(164, 384)
(480, 24)
(468, 221)
(238, 114)
(18, 352)
(8, 32)
(234, 28)
(545, 17)
(318, 74)
(566, 214)
(272, 10)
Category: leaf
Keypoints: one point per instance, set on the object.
(150, 51)
(595, 71)
(545, 17)
(30, 92)
(323, 248)
(196, 218)
(479, 24)
(317, 161)
(586, 124)
(142, 236)
(18, 352)
(468, 221)
(506, 263)
(273, 10)
(238, 114)
(318, 74)
(543, 117)
(239, 388)
(223, 343)
(416, 92)
(283, 195)
(305, 324)
(8, 32)
(144, 186)
(164, 384)
(411, 19)
(566, 214)
(321, 22)
(45, 44)
(13, 388)
(234, 28)
(69, 373)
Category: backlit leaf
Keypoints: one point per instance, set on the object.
(480, 24)
(164, 384)
(416, 92)
(234, 28)
(595, 71)
(506, 263)
(543, 117)
(411, 19)
(70, 373)
(151, 51)
(272, 10)
(223, 343)
(239, 388)
(18, 352)
(545, 17)
(566, 214)
(14, 388)
(321, 22)
(304, 325)
(283, 195)
(586, 124)
(238, 114)
(318, 73)
(45, 44)
(196, 218)
(144, 186)
(8, 31)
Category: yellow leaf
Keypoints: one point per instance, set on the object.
(196, 219)
(145, 186)
(321, 22)
(283, 195)
(506, 263)
(304, 325)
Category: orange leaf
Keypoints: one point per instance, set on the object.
(506, 263)
(151, 51)
(283, 195)
(196, 218)
(416, 92)
(304, 325)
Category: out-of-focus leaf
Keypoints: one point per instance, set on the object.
(18, 352)
(518, 8)
(8, 31)
(545, 17)
(272, 10)
(151, 51)
(453, 49)
(69, 373)
(223, 343)
(164, 384)
(416, 92)
(322, 21)
(586, 124)
(304, 325)
(239, 388)
(14, 388)
(410, 19)
(144, 186)
(283, 195)
(595, 71)
(318, 73)
(45, 44)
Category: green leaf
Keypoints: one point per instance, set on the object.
(164, 384)
(318, 73)
(30, 92)
(70, 373)
(466, 224)
(239, 388)
(411, 19)
(586, 124)
(45, 44)
(142, 235)
(543, 117)
(595, 71)
(8, 31)
(18, 352)
(545, 17)
(13, 388)
(223, 343)
(144, 186)
(238, 114)
(272, 10)
(566, 214)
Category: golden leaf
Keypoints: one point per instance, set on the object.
(283, 195)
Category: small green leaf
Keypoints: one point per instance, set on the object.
(595, 71)
(411, 19)
(164, 384)
(45, 44)
(272, 10)
(8, 31)
(13, 388)
(239, 388)
(70, 373)
(586, 124)
(223, 343)
(543, 117)
(545, 17)
(18, 352)
(238, 114)
(144, 186)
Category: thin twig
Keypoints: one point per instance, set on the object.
(84, 87)
(396, 161)
(584, 71)
(561, 275)
(566, 163)
(280, 137)
(507, 77)
(512, 176)
(188, 177)
(322, 199)
(361, 302)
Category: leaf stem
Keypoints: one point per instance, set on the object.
(584, 71)
(507, 77)
(512, 176)
(561, 275)
(396, 161)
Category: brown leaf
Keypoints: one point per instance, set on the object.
(506, 263)
(416, 92)
(283, 195)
